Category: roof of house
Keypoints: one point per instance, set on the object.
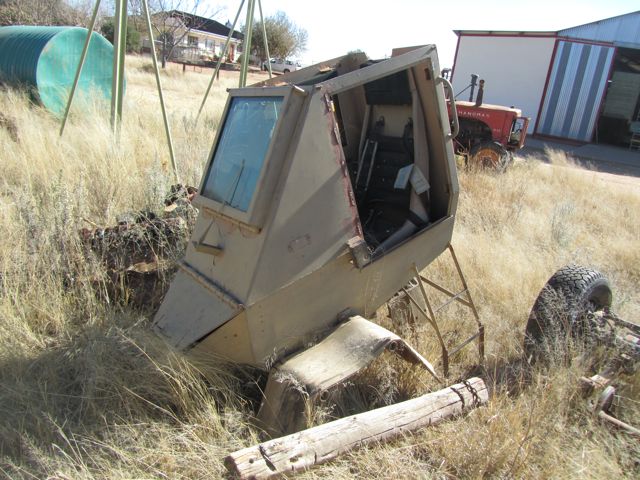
(203, 24)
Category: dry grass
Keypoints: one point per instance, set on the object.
(87, 392)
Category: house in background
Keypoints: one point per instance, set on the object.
(580, 84)
(193, 39)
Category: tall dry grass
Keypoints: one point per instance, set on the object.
(87, 392)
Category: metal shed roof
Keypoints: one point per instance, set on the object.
(504, 33)
(623, 30)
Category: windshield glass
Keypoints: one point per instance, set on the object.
(241, 150)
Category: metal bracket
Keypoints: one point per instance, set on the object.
(360, 252)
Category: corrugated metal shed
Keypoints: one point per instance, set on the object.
(576, 86)
(623, 30)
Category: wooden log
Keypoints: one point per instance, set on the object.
(320, 444)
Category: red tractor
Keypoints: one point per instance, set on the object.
(489, 134)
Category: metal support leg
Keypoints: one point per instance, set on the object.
(264, 39)
(167, 130)
(246, 50)
(83, 57)
(219, 63)
(472, 304)
(119, 50)
(463, 297)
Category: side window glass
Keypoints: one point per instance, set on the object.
(241, 150)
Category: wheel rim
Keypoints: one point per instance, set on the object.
(487, 157)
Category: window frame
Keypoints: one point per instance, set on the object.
(193, 41)
(260, 204)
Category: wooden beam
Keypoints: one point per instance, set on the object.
(320, 444)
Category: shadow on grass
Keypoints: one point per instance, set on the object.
(62, 405)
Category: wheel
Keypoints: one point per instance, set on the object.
(489, 155)
(286, 70)
(561, 310)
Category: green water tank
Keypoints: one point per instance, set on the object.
(45, 59)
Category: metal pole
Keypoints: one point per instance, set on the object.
(264, 39)
(224, 54)
(83, 57)
(247, 44)
(119, 50)
(145, 6)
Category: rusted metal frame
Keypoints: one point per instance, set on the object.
(431, 318)
(453, 352)
(441, 289)
(635, 328)
(454, 297)
(419, 307)
(619, 423)
(602, 411)
(445, 351)
(472, 305)
(465, 286)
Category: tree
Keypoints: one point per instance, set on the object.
(133, 35)
(285, 37)
(42, 12)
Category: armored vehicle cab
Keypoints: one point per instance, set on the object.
(323, 190)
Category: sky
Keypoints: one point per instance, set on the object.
(336, 27)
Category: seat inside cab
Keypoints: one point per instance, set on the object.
(389, 170)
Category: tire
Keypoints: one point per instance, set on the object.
(489, 155)
(286, 70)
(560, 312)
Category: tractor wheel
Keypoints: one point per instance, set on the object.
(490, 155)
(561, 310)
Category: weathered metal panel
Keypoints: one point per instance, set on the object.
(574, 93)
(200, 305)
(278, 279)
(621, 30)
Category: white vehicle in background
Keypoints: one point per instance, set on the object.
(281, 66)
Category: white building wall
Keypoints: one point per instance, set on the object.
(514, 69)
